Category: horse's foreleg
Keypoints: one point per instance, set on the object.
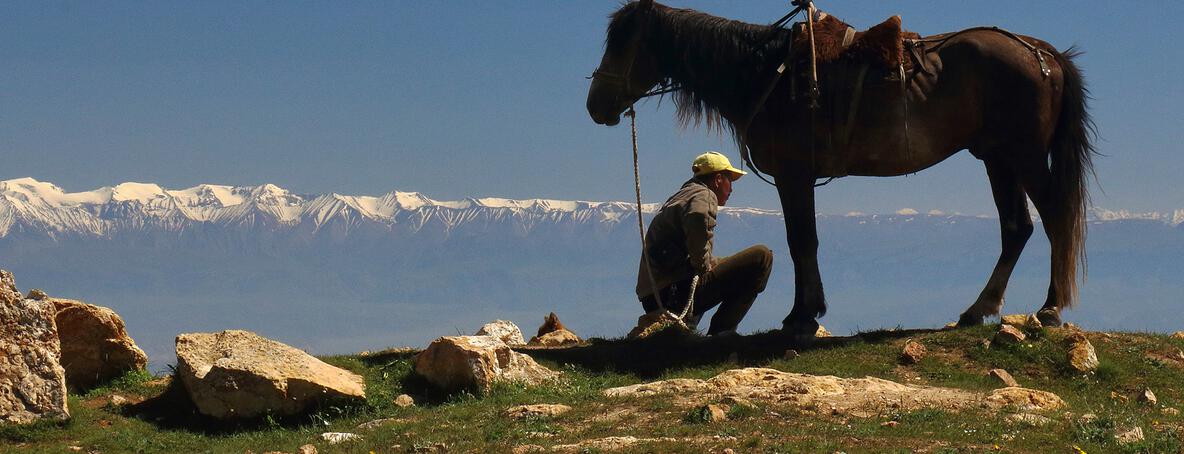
(1015, 227)
(809, 302)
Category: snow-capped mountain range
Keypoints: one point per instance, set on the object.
(33, 206)
(337, 273)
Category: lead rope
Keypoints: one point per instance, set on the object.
(632, 114)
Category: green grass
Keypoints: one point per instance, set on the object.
(468, 423)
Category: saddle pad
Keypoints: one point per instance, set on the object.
(882, 44)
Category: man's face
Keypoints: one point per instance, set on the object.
(721, 185)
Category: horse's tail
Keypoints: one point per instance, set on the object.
(1072, 164)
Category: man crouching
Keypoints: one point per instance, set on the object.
(678, 247)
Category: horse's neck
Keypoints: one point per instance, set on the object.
(722, 67)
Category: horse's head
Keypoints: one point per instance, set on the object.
(627, 69)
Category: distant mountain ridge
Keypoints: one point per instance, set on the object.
(337, 273)
(31, 206)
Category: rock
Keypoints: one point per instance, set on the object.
(790, 354)
(1148, 397)
(507, 331)
(1023, 399)
(371, 425)
(1114, 395)
(1026, 320)
(822, 332)
(37, 294)
(526, 449)
(653, 322)
(1133, 435)
(1082, 356)
(95, 344)
(861, 397)
(334, 438)
(239, 374)
(555, 339)
(716, 413)
(404, 401)
(1013, 319)
(1178, 335)
(476, 363)
(1028, 419)
(1004, 377)
(1009, 335)
(1170, 411)
(117, 400)
(889, 424)
(536, 411)
(607, 444)
(912, 353)
(32, 380)
(307, 449)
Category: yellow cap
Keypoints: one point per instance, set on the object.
(711, 162)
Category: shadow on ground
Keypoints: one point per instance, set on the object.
(172, 409)
(673, 349)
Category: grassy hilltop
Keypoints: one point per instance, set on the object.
(1100, 405)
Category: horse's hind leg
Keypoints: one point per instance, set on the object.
(1037, 181)
(1015, 226)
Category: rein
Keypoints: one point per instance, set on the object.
(632, 114)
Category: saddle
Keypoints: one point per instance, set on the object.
(846, 58)
(881, 45)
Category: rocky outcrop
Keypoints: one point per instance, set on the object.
(609, 444)
(95, 345)
(1023, 399)
(859, 397)
(32, 381)
(504, 330)
(239, 374)
(475, 363)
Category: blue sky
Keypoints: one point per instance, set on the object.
(457, 99)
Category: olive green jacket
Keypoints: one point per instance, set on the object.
(679, 240)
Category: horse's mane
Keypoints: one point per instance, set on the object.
(715, 60)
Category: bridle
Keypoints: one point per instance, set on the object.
(623, 80)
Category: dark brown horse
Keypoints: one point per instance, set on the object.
(1014, 102)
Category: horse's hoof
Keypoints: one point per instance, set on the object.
(1049, 317)
(800, 331)
(966, 320)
